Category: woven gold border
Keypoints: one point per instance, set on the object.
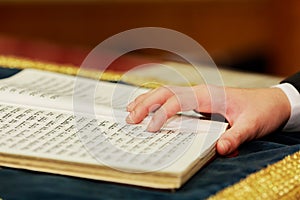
(277, 181)
(22, 63)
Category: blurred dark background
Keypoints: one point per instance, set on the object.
(254, 35)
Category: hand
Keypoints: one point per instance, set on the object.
(251, 113)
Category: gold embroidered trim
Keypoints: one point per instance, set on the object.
(21, 63)
(278, 181)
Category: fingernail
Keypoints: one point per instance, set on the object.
(151, 126)
(224, 145)
(129, 118)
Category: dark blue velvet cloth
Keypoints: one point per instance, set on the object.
(220, 173)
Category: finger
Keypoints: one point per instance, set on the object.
(138, 99)
(184, 99)
(167, 110)
(148, 104)
(233, 138)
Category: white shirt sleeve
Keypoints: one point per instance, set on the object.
(293, 95)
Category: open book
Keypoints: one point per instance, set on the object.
(75, 126)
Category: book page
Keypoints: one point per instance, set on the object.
(38, 119)
(58, 91)
(46, 133)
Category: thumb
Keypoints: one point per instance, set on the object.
(233, 138)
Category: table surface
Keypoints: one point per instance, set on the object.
(185, 74)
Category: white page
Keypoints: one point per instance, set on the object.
(53, 90)
(59, 135)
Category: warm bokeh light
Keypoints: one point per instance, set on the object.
(257, 35)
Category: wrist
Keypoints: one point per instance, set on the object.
(283, 105)
(293, 97)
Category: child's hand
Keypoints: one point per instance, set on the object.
(251, 113)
